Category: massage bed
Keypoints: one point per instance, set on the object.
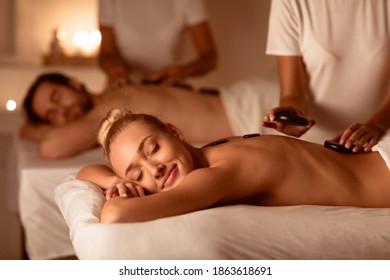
(45, 232)
(231, 232)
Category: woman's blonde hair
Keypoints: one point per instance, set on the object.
(118, 119)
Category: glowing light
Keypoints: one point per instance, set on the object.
(81, 39)
(87, 42)
(11, 105)
(95, 37)
(61, 34)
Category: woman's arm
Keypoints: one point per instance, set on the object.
(98, 174)
(102, 176)
(205, 61)
(201, 189)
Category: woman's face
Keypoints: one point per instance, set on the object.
(150, 158)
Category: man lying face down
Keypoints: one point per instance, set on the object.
(63, 116)
(152, 172)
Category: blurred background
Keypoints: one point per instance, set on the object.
(28, 28)
(44, 35)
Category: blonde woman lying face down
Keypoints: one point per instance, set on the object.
(153, 173)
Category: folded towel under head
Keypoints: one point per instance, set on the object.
(383, 147)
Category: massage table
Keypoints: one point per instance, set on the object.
(238, 232)
(242, 232)
(45, 231)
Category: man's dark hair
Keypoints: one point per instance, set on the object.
(53, 78)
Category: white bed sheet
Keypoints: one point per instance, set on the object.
(45, 231)
(232, 232)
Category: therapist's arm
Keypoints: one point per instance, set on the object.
(292, 83)
(205, 61)
(110, 59)
(207, 56)
(293, 99)
(364, 136)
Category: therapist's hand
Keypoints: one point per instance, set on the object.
(292, 130)
(362, 137)
(117, 77)
(168, 75)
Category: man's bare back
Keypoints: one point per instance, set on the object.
(274, 170)
(201, 117)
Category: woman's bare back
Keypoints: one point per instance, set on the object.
(275, 170)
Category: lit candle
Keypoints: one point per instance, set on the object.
(11, 105)
(87, 42)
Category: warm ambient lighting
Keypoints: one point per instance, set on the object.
(87, 42)
(11, 105)
(61, 35)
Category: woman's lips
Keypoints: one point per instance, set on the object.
(170, 177)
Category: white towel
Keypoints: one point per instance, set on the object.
(383, 147)
(246, 103)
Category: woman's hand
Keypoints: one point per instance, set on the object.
(124, 189)
(292, 130)
(362, 137)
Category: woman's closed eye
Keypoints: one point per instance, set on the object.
(137, 176)
(153, 149)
